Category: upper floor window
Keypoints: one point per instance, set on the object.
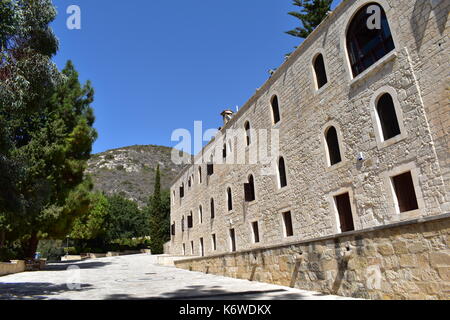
(190, 182)
(282, 173)
(173, 229)
(334, 151)
(388, 117)
(275, 110)
(210, 167)
(213, 209)
(182, 191)
(200, 214)
(200, 174)
(229, 199)
(367, 40)
(249, 189)
(247, 133)
(224, 151)
(190, 220)
(319, 70)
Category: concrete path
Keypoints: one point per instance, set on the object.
(137, 277)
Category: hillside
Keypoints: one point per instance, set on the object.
(130, 171)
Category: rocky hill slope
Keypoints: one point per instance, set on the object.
(130, 171)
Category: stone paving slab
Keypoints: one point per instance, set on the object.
(138, 277)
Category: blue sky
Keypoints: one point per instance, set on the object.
(159, 65)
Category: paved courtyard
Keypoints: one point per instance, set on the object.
(137, 277)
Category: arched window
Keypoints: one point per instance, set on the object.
(247, 133)
(334, 151)
(200, 214)
(213, 210)
(224, 151)
(366, 41)
(182, 190)
(229, 199)
(282, 173)
(387, 116)
(190, 220)
(249, 189)
(319, 69)
(275, 110)
(200, 174)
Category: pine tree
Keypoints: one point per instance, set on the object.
(312, 13)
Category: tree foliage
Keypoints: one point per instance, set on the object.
(159, 214)
(312, 13)
(46, 129)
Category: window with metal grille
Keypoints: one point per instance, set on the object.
(367, 44)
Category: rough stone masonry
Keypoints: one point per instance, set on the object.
(363, 133)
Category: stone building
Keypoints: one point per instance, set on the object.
(362, 112)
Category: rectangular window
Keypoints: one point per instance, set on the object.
(214, 242)
(184, 249)
(192, 247)
(405, 192)
(210, 169)
(287, 219)
(344, 209)
(190, 222)
(249, 192)
(181, 192)
(232, 240)
(173, 229)
(202, 248)
(255, 228)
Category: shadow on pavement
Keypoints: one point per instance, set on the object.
(62, 266)
(217, 293)
(34, 290)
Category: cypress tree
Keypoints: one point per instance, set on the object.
(159, 215)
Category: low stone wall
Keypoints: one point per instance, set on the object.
(11, 268)
(409, 260)
(168, 260)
